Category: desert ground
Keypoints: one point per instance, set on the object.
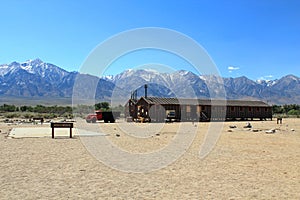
(242, 165)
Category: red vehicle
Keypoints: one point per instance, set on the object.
(107, 116)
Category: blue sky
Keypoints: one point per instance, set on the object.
(244, 38)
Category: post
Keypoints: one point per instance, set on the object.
(146, 86)
(70, 132)
(52, 132)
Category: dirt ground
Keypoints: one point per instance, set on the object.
(243, 165)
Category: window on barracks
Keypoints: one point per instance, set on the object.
(198, 109)
(188, 108)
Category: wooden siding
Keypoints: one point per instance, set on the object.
(155, 109)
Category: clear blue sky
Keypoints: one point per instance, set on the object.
(243, 37)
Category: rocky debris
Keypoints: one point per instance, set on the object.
(248, 125)
(270, 131)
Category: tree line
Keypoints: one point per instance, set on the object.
(291, 109)
(36, 109)
(11, 111)
(287, 109)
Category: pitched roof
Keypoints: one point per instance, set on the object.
(176, 101)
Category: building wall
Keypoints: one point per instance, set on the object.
(248, 112)
(196, 112)
(130, 109)
(158, 113)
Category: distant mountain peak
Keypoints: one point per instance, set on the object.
(291, 76)
(14, 63)
(242, 77)
(37, 78)
(34, 61)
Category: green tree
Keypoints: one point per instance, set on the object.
(277, 109)
(23, 108)
(40, 109)
(294, 112)
(8, 108)
(102, 105)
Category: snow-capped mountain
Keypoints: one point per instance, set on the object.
(189, 85)
(266, 83)
(37, 67)
(35, 78)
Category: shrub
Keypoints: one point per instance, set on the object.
(12, 115)
(294, 112)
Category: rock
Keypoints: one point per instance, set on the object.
(232, 126)
(118, 135)
(271, 131)
(255, 130)
(291, 130)
(229, 130)
(248, 125)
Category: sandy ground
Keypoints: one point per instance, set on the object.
(242, 165)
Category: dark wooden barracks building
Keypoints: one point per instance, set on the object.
(158, 109)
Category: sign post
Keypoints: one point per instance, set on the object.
(61, 125)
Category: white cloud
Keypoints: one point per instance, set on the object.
(231, 68)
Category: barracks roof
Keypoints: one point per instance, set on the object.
(179, 101)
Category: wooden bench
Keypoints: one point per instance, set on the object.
(61, 125)
(39, 119)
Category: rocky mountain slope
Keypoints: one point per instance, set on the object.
(35, 78)
(186, 84)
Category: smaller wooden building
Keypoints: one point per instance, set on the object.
(157, 109)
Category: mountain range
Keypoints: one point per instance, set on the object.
(35, 79)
